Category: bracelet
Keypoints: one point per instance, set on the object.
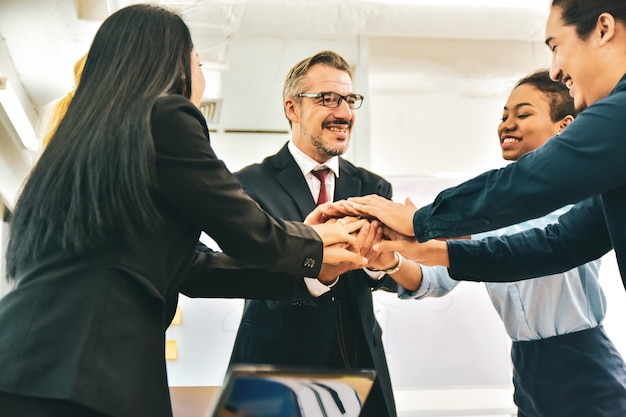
(395, 268)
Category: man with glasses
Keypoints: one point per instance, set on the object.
(329, 325)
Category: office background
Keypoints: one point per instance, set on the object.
(435, 75)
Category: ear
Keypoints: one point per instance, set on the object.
(605, 27)
(292, 110)
(565, 121)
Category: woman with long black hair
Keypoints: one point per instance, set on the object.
(104, 233)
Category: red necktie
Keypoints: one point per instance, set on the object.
(321, 175)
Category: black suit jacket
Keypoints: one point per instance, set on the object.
(302, 332)
(90, 326)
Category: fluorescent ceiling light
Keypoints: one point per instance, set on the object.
(13, 108)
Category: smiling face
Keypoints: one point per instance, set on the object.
(319, 131)
(526, 122)
(584, 65)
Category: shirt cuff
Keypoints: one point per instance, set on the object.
(377, 275)
(422, 291)
(317, 288)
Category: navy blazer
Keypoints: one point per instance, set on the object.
(579, 236)
(300, 332)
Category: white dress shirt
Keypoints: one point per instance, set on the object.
(306, 165)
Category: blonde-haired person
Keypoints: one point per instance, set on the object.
(59, 108)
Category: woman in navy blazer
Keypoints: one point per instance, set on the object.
(103, 235)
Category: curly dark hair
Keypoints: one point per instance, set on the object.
(561, 103)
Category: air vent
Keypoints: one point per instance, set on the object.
(211, 110)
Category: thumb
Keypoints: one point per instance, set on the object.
(355, 258)
(409, 203)
(336, 254)
(388, 246)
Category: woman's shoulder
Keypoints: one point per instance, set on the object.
(172, 110)
(173, 102)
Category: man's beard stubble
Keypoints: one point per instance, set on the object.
(324, 149)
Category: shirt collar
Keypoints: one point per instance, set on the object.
(308, 164)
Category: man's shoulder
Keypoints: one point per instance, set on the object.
(347, 167)
(256, 169)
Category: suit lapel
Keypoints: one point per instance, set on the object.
(347, 185)
(291, 179)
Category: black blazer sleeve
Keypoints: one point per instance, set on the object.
(215, 274)
(198, 187)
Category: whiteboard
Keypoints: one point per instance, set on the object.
(454, 341)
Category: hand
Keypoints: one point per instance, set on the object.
(341, 248)
(339, 230)
(430, 253)
(349, 259)
(369, 235)
(326, 211)
(408, 274)
(396, 216)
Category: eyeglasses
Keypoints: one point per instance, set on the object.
(333, 100)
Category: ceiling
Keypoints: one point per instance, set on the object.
(475, 47)
(45, 37)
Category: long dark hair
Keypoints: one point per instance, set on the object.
(583, 14)
(97, 177)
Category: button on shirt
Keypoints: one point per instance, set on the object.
(535, 308)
